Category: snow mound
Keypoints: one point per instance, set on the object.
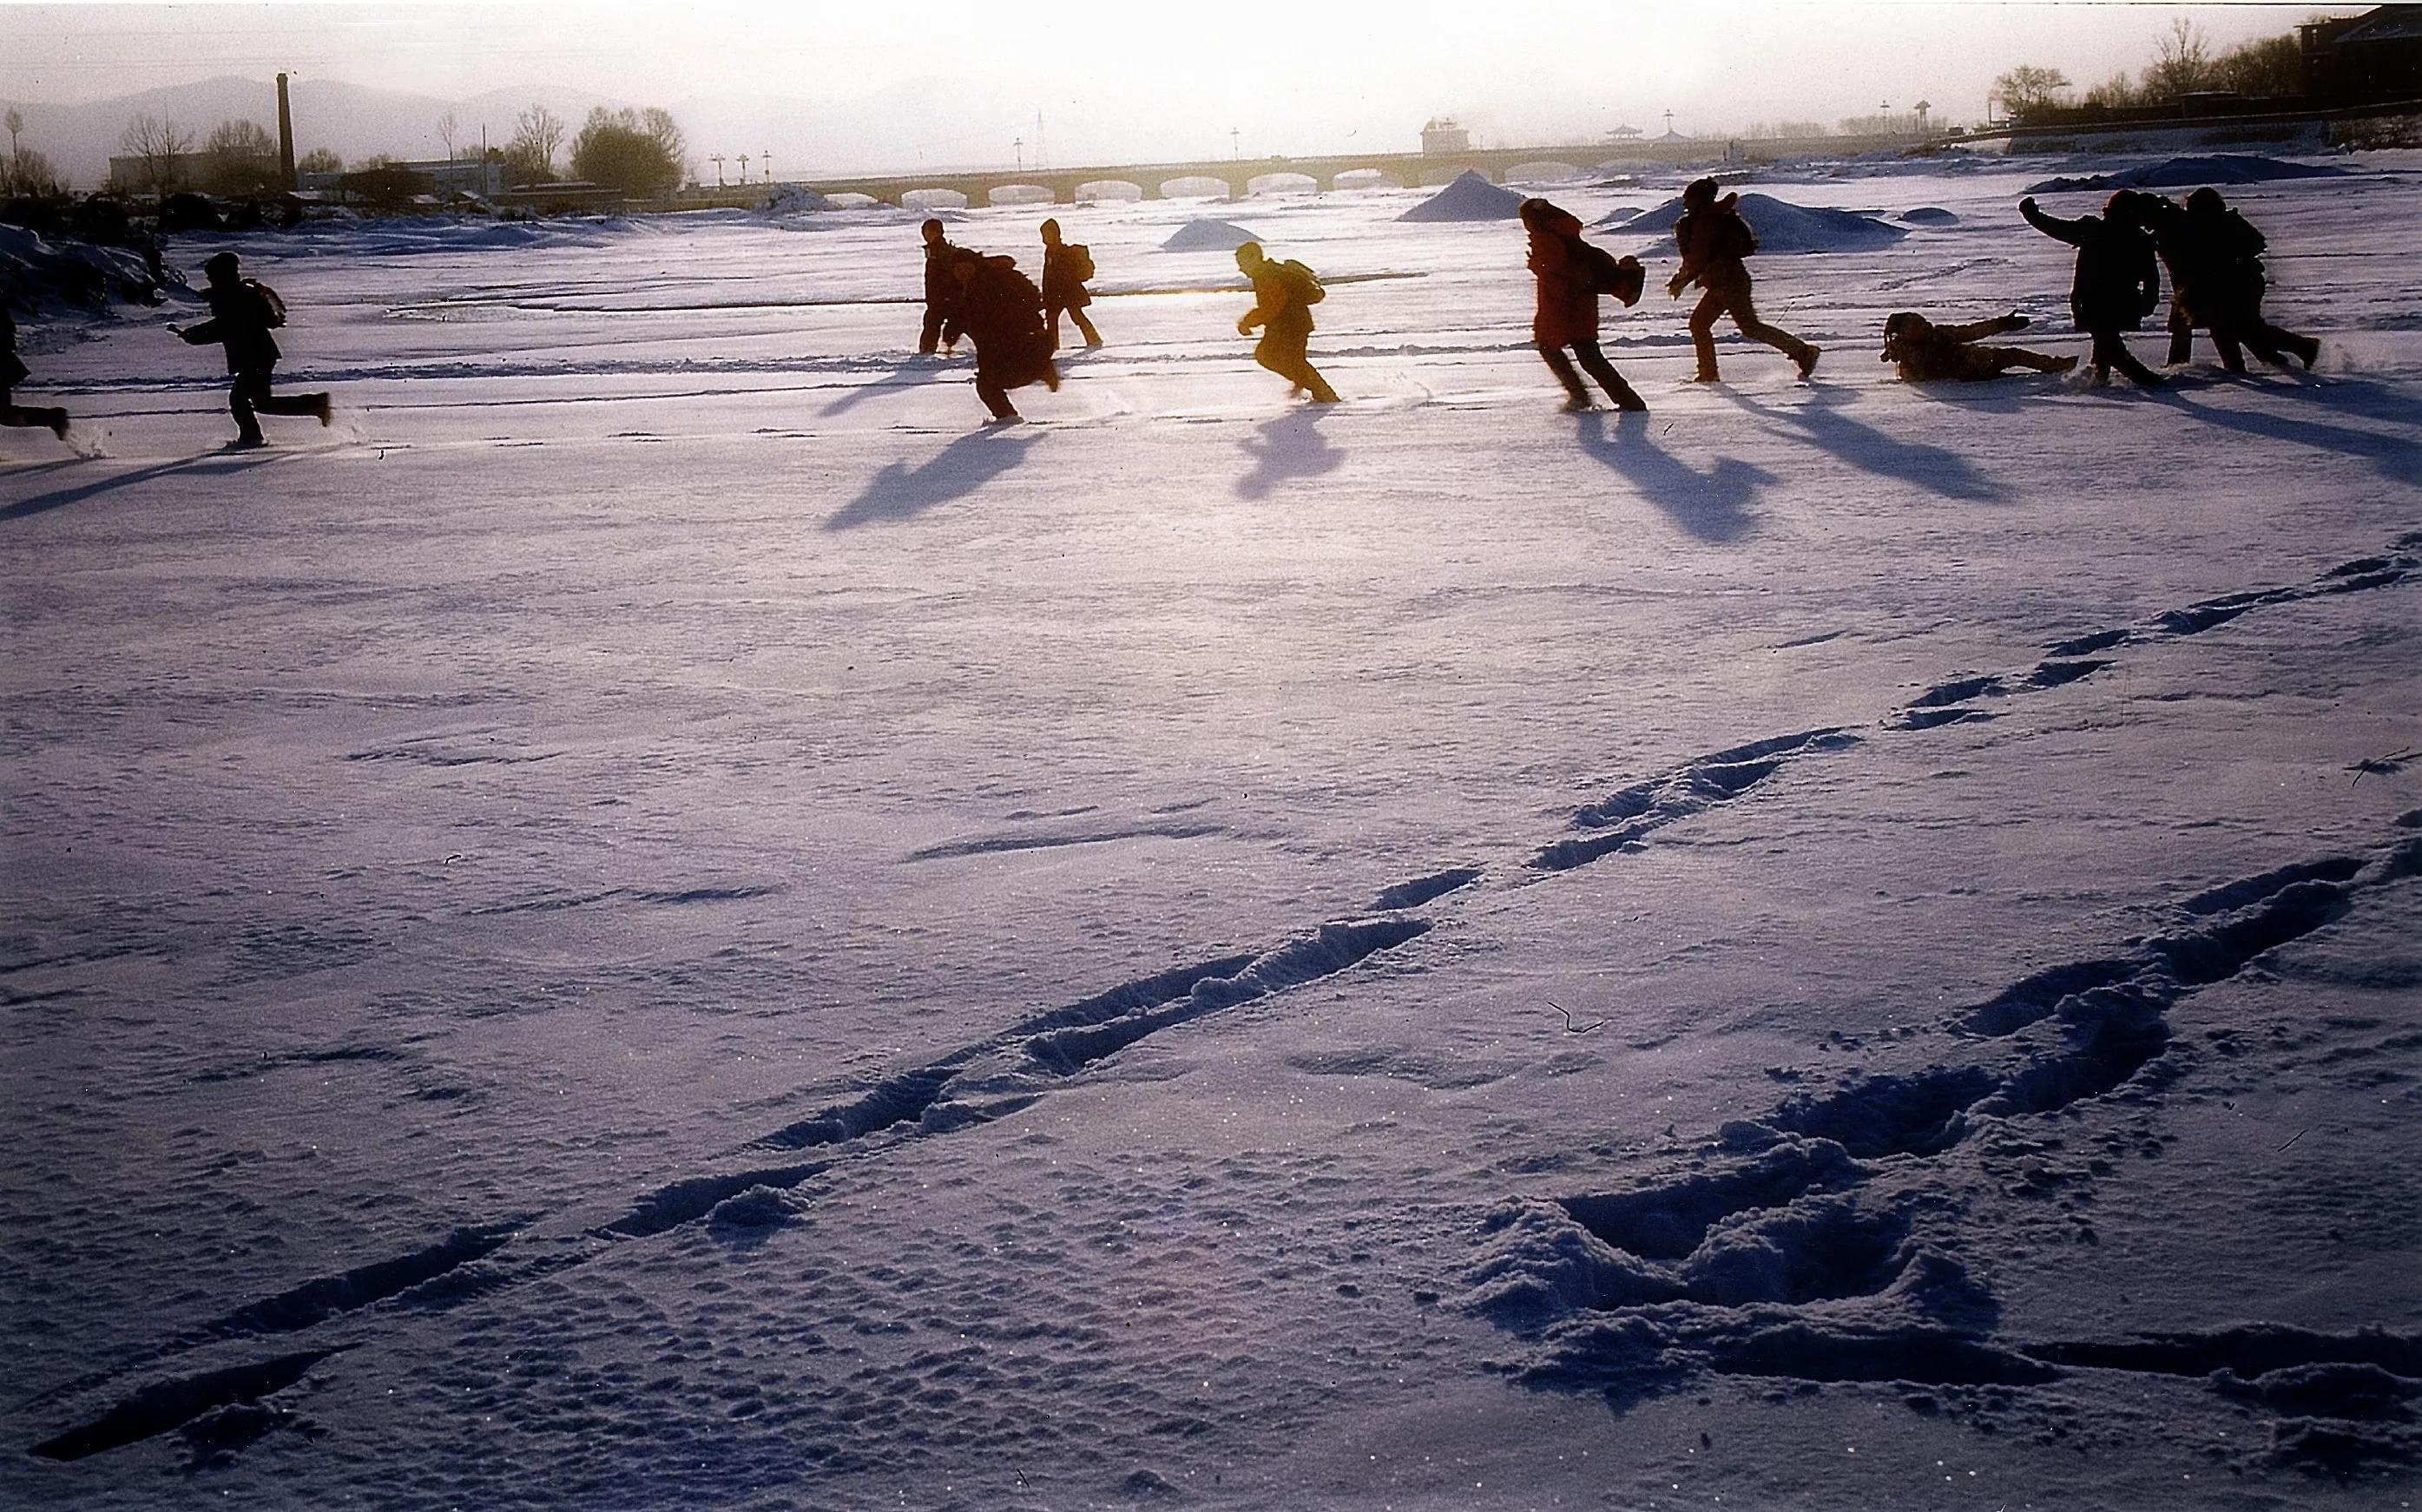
(1619, 216)
(1928, 215)
(795, 199)
(2185, 172)
(1208, 236)
(34, 272)
(1784, 227)
(1469, 197)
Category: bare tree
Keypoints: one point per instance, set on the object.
(2182, 62)
(239, 158)
(2028, 88)
(159, 144)
(320, 160)
(448, 130)
(529, 157)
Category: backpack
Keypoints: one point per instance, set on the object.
(273, 309)
(1305, 281)
(1604, 273)
(1080, 261)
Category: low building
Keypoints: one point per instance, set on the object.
(2374, 59)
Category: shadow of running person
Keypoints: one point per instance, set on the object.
(1714, 506)
(1936, 469)
(2398, 456)
(186, 466)
(900, 492)
(1288, 447)
(909, 373)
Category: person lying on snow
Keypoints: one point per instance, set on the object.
(1928, 353)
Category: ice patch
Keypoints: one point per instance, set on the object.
(1469, 197)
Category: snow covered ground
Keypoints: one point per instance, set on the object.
(658, 919)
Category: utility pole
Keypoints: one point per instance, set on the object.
(744, 167)
(1235, 143)
(1020, 146)
(766, 159)
(718, 160)
(1039, 153)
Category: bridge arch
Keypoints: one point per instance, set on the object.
(1282, 184)
(1020, 193)
(933, 200)
(1547, 171)
(1098, 190)
(1194, 186)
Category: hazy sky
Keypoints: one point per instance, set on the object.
(949, 80)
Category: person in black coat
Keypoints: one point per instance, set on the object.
(1001, 311)
(1066, 268)
(242, 316)
(1927, 353)
(941, 288)
(2118, 283)
(2214, 255)
(12, 373)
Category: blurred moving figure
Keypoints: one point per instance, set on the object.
(1066, 266)
(998, 310)
(1284, 295)
(1572, 275)
(1713, 239)
(1930, 354)
(941, 288)
(243, 313)
(2116, 284)
(2214, 255)
(14, 371)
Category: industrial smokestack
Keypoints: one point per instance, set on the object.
(284, 137)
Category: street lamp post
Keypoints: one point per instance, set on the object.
(717, 160)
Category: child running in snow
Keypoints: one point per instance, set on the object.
(1284, 295)
(12, 373)
(243, 313)
(1713, 239)
(1572, 275)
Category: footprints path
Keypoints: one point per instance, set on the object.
(1634, 1291)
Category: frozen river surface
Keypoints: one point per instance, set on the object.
(659, 920)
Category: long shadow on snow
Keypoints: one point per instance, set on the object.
(859, 393)
(1936, 469)
(1714, 505)
(200, 466)
(2399, 457)
(1287, 447)
(900, 492)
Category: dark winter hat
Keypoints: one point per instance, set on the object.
(931, 229)
(1698, 192)
(221, 264)
(2206, 200)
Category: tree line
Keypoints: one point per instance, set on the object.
(2184, 63)
(638, 152)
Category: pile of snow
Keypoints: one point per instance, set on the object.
(1784, 227)
(34, 272)
(2189, 172)
(933, 200)
(796, 199)
(1208, 236)
(1469, 197)
(1928, 215)
(1194, 186)
(1619, 216)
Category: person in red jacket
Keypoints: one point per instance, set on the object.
(243, 313)
(1713, 239)
(1066, 268)
(1568, 269)
(13, 372)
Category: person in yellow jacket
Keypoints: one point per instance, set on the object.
(1713, 239)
